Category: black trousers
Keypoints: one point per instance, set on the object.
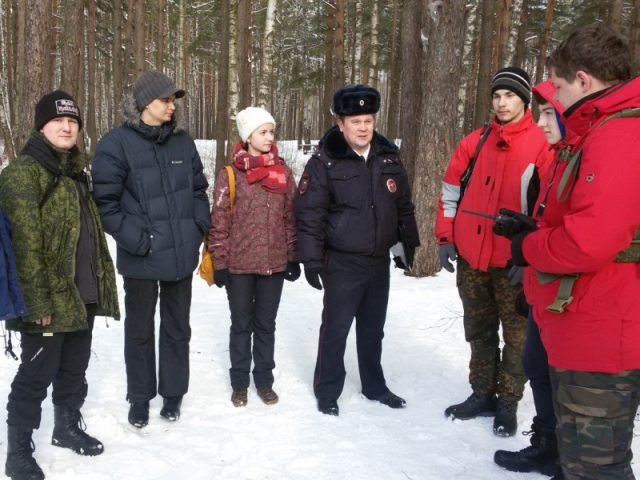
(254, 302)
(141, 297)
(536, 367)
(354, 286)
(61, 359)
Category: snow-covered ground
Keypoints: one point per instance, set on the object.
(425, 359)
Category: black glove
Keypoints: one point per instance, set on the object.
(312, 272)
(292, 272)
(446, 255)
(221, 277)
(513, 224)
(516, 275)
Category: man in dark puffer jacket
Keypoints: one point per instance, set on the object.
(151, 193)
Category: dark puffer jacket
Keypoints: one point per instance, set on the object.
(346, 205)
(11, 301)
(152, 196)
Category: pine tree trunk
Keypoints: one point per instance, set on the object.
(139, 46)
(373, 52)
(91, 76)
(357, 51)
(602, 10)
(518, 61)
(233, 71)
(72, 51)
(394, 83)
(411, 79)
(338, 66)
(128, 42)
(505, 30)
(468, 61)
(615, 15)
(5, 74)
(222, 110)
(514, 34)
(181, 46)
(485, 68)
(634, 38)
(328, 67)
(160, 39)
(118, 64)
(266, 65)
(438, 124)
(545, 41)
(244, 63)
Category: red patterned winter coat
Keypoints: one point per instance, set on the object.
(261, 237)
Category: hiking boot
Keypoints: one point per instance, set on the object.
(506, 422)
(328, 406)
(69, 432)
(541, 456)
(139, 414)
(20, 463)
(239, 398)
(391, 400)
(171, 408)
(268, 396)
(476, 405)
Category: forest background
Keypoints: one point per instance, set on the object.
(432, 61)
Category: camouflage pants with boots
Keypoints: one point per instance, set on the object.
(489, 299)
(595, 414)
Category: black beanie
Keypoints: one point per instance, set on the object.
(515, 80)
(53, 105)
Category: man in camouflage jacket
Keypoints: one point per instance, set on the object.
(66, 276)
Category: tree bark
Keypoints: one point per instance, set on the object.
(602, 10)
(266, 65)
(118, 66)
(394, 83)
(410, 37)
(160, 41)
(128, 37)
(615, 15)
(222, 111)
(545, 41)
(505, 30)
(72, 51)
(244, 62)
(634, 38)
(91, 76)
(485, 68)
(373, 52)
(329, 86)
(518, 60)
(233, 71)
(468, 62)
(338, 66)
(139, 47)
(357, 49)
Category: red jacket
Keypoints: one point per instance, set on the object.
(511, 162)
(261, 237)
(600, 330)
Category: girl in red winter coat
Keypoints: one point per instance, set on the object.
(252, 241)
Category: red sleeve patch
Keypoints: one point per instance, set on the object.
(304, 184)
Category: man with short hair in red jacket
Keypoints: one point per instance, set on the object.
(512, 159)
(584, 280)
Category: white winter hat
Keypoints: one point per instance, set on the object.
(251, 118)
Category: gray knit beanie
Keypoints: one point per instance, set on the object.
(515, 80)
(151, 85)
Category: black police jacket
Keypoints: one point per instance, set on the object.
(348, 205)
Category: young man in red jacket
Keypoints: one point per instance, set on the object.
(584, 278)
(513, 157)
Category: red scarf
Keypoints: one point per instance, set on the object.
(268, 167)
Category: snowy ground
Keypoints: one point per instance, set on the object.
(425, 360)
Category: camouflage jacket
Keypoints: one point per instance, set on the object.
(45, 241)
(259, 236)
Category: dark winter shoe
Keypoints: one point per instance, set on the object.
(69, 432)
(328, 406)
(476, 405)
(390, 400)
(239, 398)
(541, 456)
(171, 408)
(268, 396)
(20, 463)
(139, 414)
(506, 421)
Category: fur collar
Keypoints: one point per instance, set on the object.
(131, 115)
(336, 146)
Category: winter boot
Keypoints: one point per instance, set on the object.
(541, 456)
(139, 414)
(506, 422)
(171, 408)
(20, 463)
(268, 396)
(68, 432)
(476, 405)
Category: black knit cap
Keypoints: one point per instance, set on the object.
(356, 100)
(151, 85)
(53, 105)
(515, 80)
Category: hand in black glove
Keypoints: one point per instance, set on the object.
(513, 224)
(516, 275)
(312, 272)
(446, 255)
(292, 272)
(221, 277)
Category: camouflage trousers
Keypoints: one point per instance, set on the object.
(488, 300)
(595, 413)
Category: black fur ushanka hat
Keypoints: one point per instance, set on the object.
(356, 100)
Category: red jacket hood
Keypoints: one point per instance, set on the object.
(591, 111)
(547, 90)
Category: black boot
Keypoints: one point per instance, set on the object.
(476, 405)
(68, 432)
(20, 463)
(506, 422)
(171, 408)
(139, 414)
(541, 456)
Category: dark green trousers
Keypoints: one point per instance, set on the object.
(489, 300)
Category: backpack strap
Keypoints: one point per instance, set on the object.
(466, 176)
(232, 185)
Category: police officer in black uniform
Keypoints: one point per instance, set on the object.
(352, 198)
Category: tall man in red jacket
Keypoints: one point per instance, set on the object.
(589, 316)
(513, 157)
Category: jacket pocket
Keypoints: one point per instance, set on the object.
(346, 187)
